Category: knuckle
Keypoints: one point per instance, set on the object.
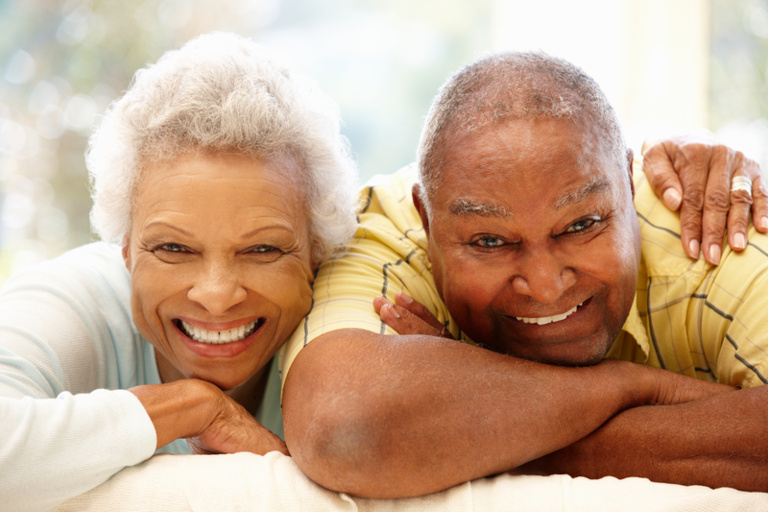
(741, 197)
(693, 196)
(738, 223)
(717, 200)
(713, 231)
(691, 224)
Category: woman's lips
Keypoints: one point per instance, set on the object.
(220, 336)
(205, 346)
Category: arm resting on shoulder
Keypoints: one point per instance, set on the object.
(393, 416)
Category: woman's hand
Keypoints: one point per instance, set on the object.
(235, 430)
(694, 174)
(208, 418)
(407, 316)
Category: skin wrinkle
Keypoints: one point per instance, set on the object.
(214, 275)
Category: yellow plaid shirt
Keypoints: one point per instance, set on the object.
(688, 316)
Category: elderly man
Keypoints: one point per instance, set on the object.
(519, 235)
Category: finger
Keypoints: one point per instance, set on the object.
(275, 445)
(738, 222)
(662, 176)
(417, 308)
(404, 322)
(760, 202)
(738, 215)
(717, 202)
(691, 162)
(378, 302)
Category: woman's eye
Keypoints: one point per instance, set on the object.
(265, 253)
(176, 248)
(263, 249)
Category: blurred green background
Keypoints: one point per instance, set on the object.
(62, 63)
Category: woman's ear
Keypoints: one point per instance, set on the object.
(127, 252)
(631, 159)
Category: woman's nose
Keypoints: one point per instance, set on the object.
(217, 288)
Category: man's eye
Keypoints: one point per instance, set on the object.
(580, 225)
(489, 242)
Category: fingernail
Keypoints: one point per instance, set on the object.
(714, 254)
(739, 242)
(693, 249)
(672, 198)
(404, 297)
(391, 308)
(764, 223)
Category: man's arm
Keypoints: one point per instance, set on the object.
(717, 441)
(419, 414)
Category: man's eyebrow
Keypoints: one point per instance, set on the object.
(595, 185)
(462, 206)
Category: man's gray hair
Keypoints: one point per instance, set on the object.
(222, 92)
(509, 86)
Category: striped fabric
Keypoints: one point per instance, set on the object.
(704, 321)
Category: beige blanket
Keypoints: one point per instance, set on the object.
(273, 482)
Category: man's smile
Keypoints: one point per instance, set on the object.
(543, 320)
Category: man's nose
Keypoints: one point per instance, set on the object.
(217, 288)
(542, 276)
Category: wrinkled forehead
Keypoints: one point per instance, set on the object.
(552, 147)
(282, 166)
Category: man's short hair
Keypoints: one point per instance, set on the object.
(509, 86)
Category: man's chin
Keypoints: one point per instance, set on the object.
(575, 354)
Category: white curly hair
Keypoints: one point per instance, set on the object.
(223, 92)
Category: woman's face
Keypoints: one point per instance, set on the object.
(220, 259)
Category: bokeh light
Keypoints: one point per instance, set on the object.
(62, 63)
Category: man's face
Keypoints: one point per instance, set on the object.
(534, 241)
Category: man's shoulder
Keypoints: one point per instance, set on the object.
(388, 214)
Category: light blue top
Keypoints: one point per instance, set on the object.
(68, 351)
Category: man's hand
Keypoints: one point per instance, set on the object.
(407, 316)
(208, 418)
(693, 174)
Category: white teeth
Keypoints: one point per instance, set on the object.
(544, 320)
(219, 337)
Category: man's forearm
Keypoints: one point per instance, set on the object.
(390, 416)
(717, 441)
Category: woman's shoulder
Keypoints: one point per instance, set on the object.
(91, 280)
(93, 264)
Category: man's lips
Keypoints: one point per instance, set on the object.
(544, 320)
(573, 318)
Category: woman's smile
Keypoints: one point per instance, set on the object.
(220, 336)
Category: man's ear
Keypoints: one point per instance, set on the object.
(630, 170)
(416, 193)
(127, 252)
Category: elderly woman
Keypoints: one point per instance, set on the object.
(220, 180)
